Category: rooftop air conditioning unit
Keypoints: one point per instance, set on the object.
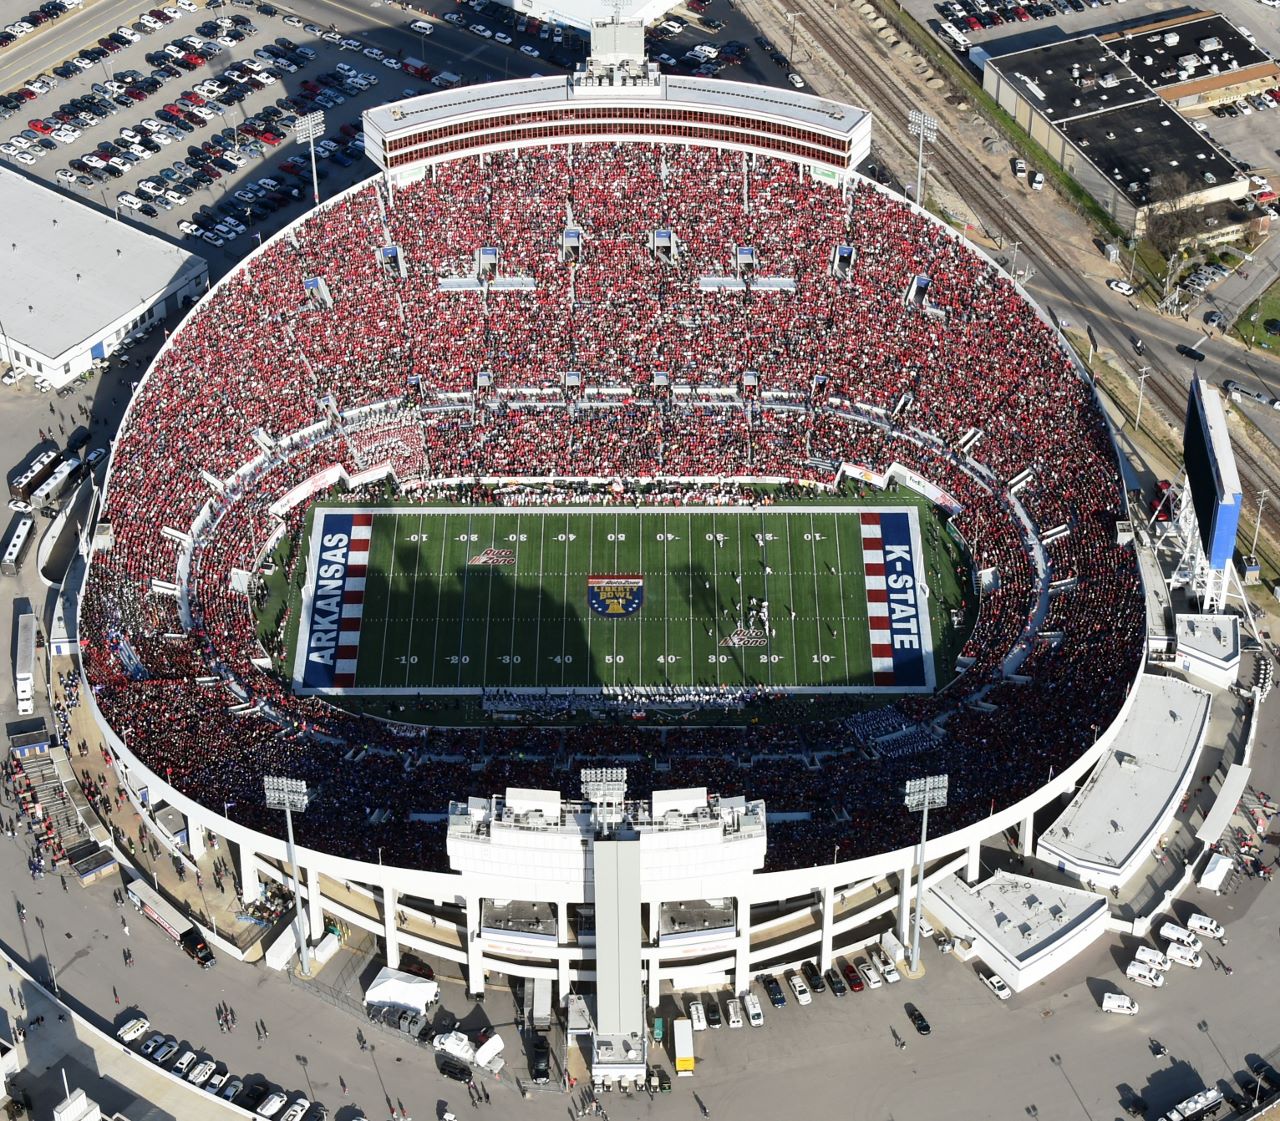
(1213, 43)
(1170, 38)
(1108, 81)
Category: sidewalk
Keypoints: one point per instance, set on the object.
(104, 1068)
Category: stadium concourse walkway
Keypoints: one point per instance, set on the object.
(219, 909)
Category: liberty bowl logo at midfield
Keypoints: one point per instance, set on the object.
(615, 597)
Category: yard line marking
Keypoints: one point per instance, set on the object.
(462, 605)
(715, 552)
(791, 606)
(435, 637)
(615, 623)
(844, 623)
(591, 552)
(741, 653)
(817, 602)
(689, 570)
(564, 603)
(764, 561)
(537, 632)
(667, 601)
(640, 621)
(386, 618)
(488, 603)
(413, 600)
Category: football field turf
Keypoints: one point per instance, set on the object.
(444, 599)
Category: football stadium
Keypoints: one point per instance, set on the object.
(616, 464)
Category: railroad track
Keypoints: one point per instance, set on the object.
(868, 67)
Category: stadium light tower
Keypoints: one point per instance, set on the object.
(309, 128)
(925, 127)
(923, 795)
(290, 795)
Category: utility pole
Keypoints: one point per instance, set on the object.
(925, 127)
(794, 17)
(1257, 522)
(1013, 261)
(1144, 372)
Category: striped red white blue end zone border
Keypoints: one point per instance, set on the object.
(333, 615)
(899, 634)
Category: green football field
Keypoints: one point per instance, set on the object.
(463, 599)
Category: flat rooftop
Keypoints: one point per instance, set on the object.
(1145, 142)
(73, 268)
(693, 916)
(1071, 79)
(1207, 50)
(1113, 814)
(702, 93)
(1020, 917)
(1216, 637)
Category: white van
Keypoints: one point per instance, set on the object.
(1172, 932)
(698, 1015)
(755, 1014)
(1184, 955)
(1210, 928)
(733, 1012)
(1118, 1002)
(1144, 975)
(1153, 958)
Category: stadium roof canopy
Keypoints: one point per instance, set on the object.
(697, 93)
(74, 269)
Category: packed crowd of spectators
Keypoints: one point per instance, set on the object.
(955, 379)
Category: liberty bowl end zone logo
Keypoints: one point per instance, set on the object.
(615, 597)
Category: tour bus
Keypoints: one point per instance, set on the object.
(952, 36)
(52, 486)
(15, 552)
(25, 484)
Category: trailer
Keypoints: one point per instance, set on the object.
(24, 666)
(682, 1041)
(541, 1019)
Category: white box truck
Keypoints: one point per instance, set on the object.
(541, 1018)
(24, 666)
(682, 1043)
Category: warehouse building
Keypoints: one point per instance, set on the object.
(80, 281)
(1107, 109)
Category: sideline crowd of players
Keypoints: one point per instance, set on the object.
(850, 370)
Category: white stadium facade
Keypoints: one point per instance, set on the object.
(596, 884)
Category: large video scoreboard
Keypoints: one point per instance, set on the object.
(1212, 474)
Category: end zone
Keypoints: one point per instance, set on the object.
(333, 601)
(897, 599)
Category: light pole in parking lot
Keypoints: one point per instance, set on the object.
(926, 128)
(310, 127)
(290, 795)
(923, 795)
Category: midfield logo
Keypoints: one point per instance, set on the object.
(494, 556)
(746, 637)
(615, 597)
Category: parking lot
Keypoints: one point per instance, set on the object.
(208, 133)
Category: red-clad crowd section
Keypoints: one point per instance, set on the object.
(966, 387)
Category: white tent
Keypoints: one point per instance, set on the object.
(403, 990)
(1216, 872)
